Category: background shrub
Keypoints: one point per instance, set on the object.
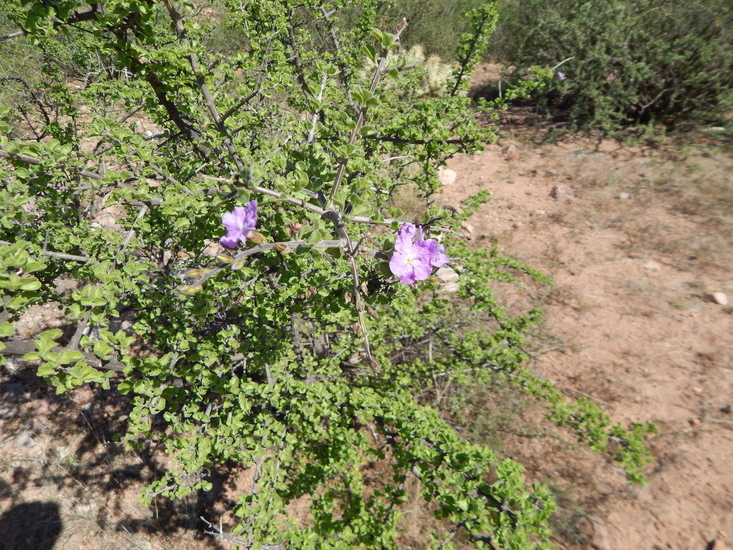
(632, 62)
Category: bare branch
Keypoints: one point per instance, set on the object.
(58, 255)
(362, 115)
(76, 18)
(21, 347)
(203, 87)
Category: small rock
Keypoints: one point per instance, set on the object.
(37, 319)
(719, 298)
(728, 409)
(562, 193)
(447, 176)
(107, 218)
(717, 544)
(651, 265)
(553, 173)
(511, 152)
(469, 229)
(624, 196)
(44, 407)
(25, 440)
(82, 396)
(694, 422)
(596, 532)
(6, 411)
(450, 287)
(447, 274)
(65, 285)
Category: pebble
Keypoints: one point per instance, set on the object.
(469, 229)
(596, 531)
(450, 287)
(719, 298)
(213, 249)
(562, 193)
(25, 440)
(447, 176)
(511, 152)
(694, 422)
(728, 409)
(717, 544)
(447, 274)
(651, 265)
(624, 196)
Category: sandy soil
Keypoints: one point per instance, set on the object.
(636, 256)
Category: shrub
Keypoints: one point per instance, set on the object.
(637, 62)
(297, 354)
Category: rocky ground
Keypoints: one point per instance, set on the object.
(639, 242)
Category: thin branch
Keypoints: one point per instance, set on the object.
(21, 347)
(267, 246)
(58, 255)
(219, 533)
(394, 139)
(237, 105)
(362, 115)
(36, 161)
(156, 201)
(203, 87)
(76, 18)
(316, 112)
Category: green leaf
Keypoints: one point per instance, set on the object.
(30, 284)
(70, 356)
(102, 349)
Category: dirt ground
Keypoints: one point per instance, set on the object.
(639, 242)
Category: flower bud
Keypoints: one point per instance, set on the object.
(194, 273)
(224, 259)
(190, 290)
(257, 238)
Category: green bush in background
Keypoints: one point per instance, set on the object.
(648, 61)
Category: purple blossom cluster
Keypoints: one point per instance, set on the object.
(239, 224)
(414, 256)
(413, 260)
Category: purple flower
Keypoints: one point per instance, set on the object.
(561, 75)
(239, 223)
(415, 257)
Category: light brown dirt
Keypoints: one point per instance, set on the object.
(630, 324)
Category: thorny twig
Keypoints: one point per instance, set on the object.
(219, 533)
